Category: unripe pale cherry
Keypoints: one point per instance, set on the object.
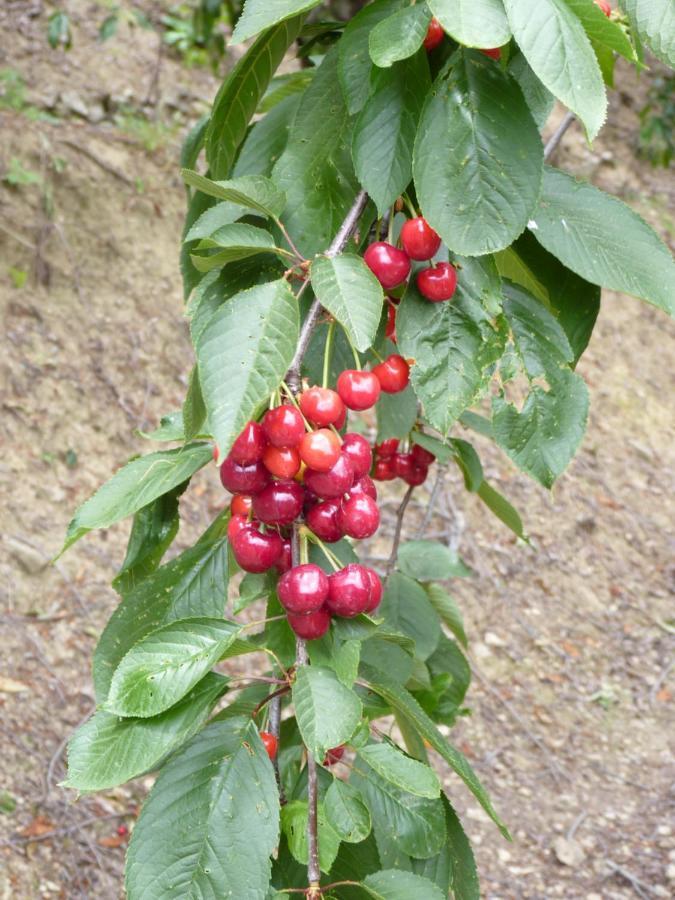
(270, 743)
(419, 239)
(393, 374)
(241, 504)
(349, 591)
(437, 283)
(357, 449)
(605, 7)
(359, 516)
(388, 264)
(284, 426)
(322, 406)
(280, 503)
(376, 590)
(303, 589)
(359, 390)
(434, 35)
(333, 483)
(250, 445)
(324, 520)
(283, 462)
(320, 449)
(311, 626)
(250, 479)
(254, 551)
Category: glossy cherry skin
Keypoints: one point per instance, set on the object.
(383, 470)
(434, 35)
(390, 328)
(339, 424)
(365, 485)
(376, 590)
(357, 449)
(605, 7)
(285, 561)
(270, 744)
(388, 264)
(324, 520)
(417, 476)
(241, 505)
(320, 450)
(255, 551)
(303, 589)
(235, 525)
(249, 446)
(359, 516)
(284, 462)
(386, 449)
(322, 406)
(249, 479)
(333, 755)
(349, 591)
(492, 52)
(359, 390)
(311, 626)
(419, 239)
(333, 483)
(393, 374)
(284, 426)
(403, 464)
(280, 503)
(437, 283)
(422, 456)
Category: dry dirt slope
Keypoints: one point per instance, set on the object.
(572, 706)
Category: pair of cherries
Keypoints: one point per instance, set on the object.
(435, 35)
(411, 467)
(271, 745)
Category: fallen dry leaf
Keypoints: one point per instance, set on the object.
(113, 840)
(39, 826)
(10, 686)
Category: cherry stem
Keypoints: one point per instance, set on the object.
(328, 354)
(397, 533)
(390, 227)
(289, 241)
(408, 203)
(331, 557)
(282, 690)
(304, 550)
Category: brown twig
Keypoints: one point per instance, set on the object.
(282, 690)
(391, 562)
(557, 136)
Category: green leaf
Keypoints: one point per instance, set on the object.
(396, 414)
(58, 31)
(538, 98)
(267, 140)
(477, 139)
(254, 192)
(405, 703)
(134, 486)
(448, 610)
(474, 23)
(347, 288)
(399, 36)
(258, 15)
(503, 510)
(559, 52)
(254, 587)
(340, 656)
(284, 86)
(430, 561)
(448, 659)
(469, 463)
(602, 30)
(194, 411)
(242, 91)
(107, 751)
(327, 712)
(394, 766)
(294, 826)
(464, 884)
(540, 340)
(238, 242)
(166, 664)
(218, 801)
(346, 812)
(384, 134)
(603, 240)
(654, 21)
(243, 353)
(393, 884)
(405, 606)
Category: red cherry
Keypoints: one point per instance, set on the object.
(359, 516)
(437, 283)
(255, 551)
(376, 590)
(349, 591)
(322, 406)
(324, 520)
(417, 476)
(605, 7)
(122, 830)
(393, 374)
(333, 483)
(284, 462)
(359, 390)
(334, 755)
(320, 450)
(339, 423)
(403, 464)
(249, 446)
(357, 449)
(493, 53)
(422, 456)
(434, 35)
(365, 485)
(280, 503)
(303, 589)
(388, 264)
(250, 479)
(284, 426)
(390, 329)
(270, 743)
(384, 470)
(235, 525)
(312, 625)
(419, 239)
(241, 505)
(285, 561)
(386, 449)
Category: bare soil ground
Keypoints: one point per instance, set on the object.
(571, 723)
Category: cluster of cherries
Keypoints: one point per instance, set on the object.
(412, 466)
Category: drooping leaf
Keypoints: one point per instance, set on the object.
(326, 710)
(392, 884)
(254, 192)
(502, 509)
(406, 609)
(655, 24)
(430, 561)
(233, 242)
(468, 461)
(348, 289)
(474, 23)
(258, 15)
(294, 826)
(447, 609)
(399, 36)
(346, 812)
(394, 766)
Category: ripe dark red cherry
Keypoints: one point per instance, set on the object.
(249, 479)
(249, 446)
(422, 456)
(311, 626)
(322, 406)
(320, 450)
(387, 448)
(333, 483)
(241, 505)
(359, 390)
(235, 525)
(324, 520)
(384, 470)
(285, 561)
(390, 328)
(270, 743)
(437, 283)
(357, 449)
(365, 485)
(349, 591)
(280, 503)
(419, 239)
(492, 52)
(403, 464)
(388, 264)
(255, 551)
(417, 476)
(284, 462)
(605, 7)
(333, 755)
(303, 589)
(359, 516)
(376, 590)
(284, 426)
(434, 35)
(393, 374)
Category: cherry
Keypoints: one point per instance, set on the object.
(270, 743)
(241, 504)
(255, 551)
(605, 7)
(249, 446)
(393, 374)
(390, 328)
(339, 423)
(388, 264)
(493, 53)
(422, 456)
(333, 755)
(386, 449)
(384, 470)
(417, 476)
(365, 485)
(434, 35)
(320, 450)
(324, 520)
(333, 483)
(322, 406)
(285, 561)
(284, 426)
(349, 591)
(437, 283)
(312, 625)
(280, 503)
(403, 464)
(358, 451)
(419, 239)
(284, 462)
(250, 479)
(359, 516)
(303, 589)
(359, 390)
(376, 590)
(235, 525)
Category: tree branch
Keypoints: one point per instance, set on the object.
(397, 533)
(557, 136)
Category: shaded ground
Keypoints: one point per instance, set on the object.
(572, 638)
